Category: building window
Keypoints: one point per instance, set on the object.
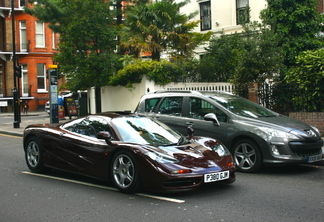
(1, 93)
(242, 12)
(22, 3)
(53, 40)
(24, 80)
(23, 38)
(205, 16)
(40, 34)
(41, 77)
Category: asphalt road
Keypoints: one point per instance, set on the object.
(276, 194)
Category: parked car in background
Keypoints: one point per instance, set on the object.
(48, 107)
(62, 94)
(133, 151)
(256, 136)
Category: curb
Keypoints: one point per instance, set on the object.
(11, 133)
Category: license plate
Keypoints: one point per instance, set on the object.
(212, 177)
(314, 158)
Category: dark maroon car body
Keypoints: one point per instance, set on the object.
(160, 168)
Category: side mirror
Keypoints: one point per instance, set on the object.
(105, 136)
(190, 129)
(212, 117)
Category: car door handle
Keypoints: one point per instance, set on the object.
(190, 124)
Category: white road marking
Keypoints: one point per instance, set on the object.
(103, 187)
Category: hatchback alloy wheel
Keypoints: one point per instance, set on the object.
(247, 156)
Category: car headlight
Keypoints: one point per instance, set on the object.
(221, 150)
(161, 158)
(316, 130)
(278, 133)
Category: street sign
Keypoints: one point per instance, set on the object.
(52, 66)
(53, 93)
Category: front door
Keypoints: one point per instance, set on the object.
(197, 109)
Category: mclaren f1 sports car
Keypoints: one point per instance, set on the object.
(133, 152)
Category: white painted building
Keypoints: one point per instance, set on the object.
(222, 15)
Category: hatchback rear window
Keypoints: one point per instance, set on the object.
(171, 106)
(150, 104)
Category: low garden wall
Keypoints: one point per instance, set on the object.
(312, 118)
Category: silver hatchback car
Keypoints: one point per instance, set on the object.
(256, 136)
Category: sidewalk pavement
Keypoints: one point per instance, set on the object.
(7, 120)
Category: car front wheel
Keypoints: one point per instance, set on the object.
(247, 156)
(34, 158)
(125, 172)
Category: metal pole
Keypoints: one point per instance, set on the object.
(16, 123)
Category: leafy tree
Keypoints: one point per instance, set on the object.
(48, 11)
(158, 26)
(221, 58)
(308, 75)
(161, 72)
(260, 57)
(86, 49)
(297, 23)
(249, 56)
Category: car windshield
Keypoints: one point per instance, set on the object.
(143, 130)
(243, 107)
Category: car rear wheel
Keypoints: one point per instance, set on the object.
(247, 156)
(125, 173)
(34, 156)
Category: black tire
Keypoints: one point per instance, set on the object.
(125, 173)
(34, 156)
(247, 156)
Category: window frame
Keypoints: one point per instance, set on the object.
(41, 75)
(40, 34)
(23, 36)
(206, 107)
(24, 80)
(53, 40)
(151, 104)
(240, 10)
(1, 88)
(80, 126)
(22, 3)
(169, 100)
(205, 18)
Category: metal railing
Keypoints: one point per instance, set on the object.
(7, 3)
(8, 47)
(198, 86)
(283, 98)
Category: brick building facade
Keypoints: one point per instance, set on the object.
(35, 45)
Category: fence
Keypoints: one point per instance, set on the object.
(284, 98)
(200, 86)
(7, 3)
(8, 47)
